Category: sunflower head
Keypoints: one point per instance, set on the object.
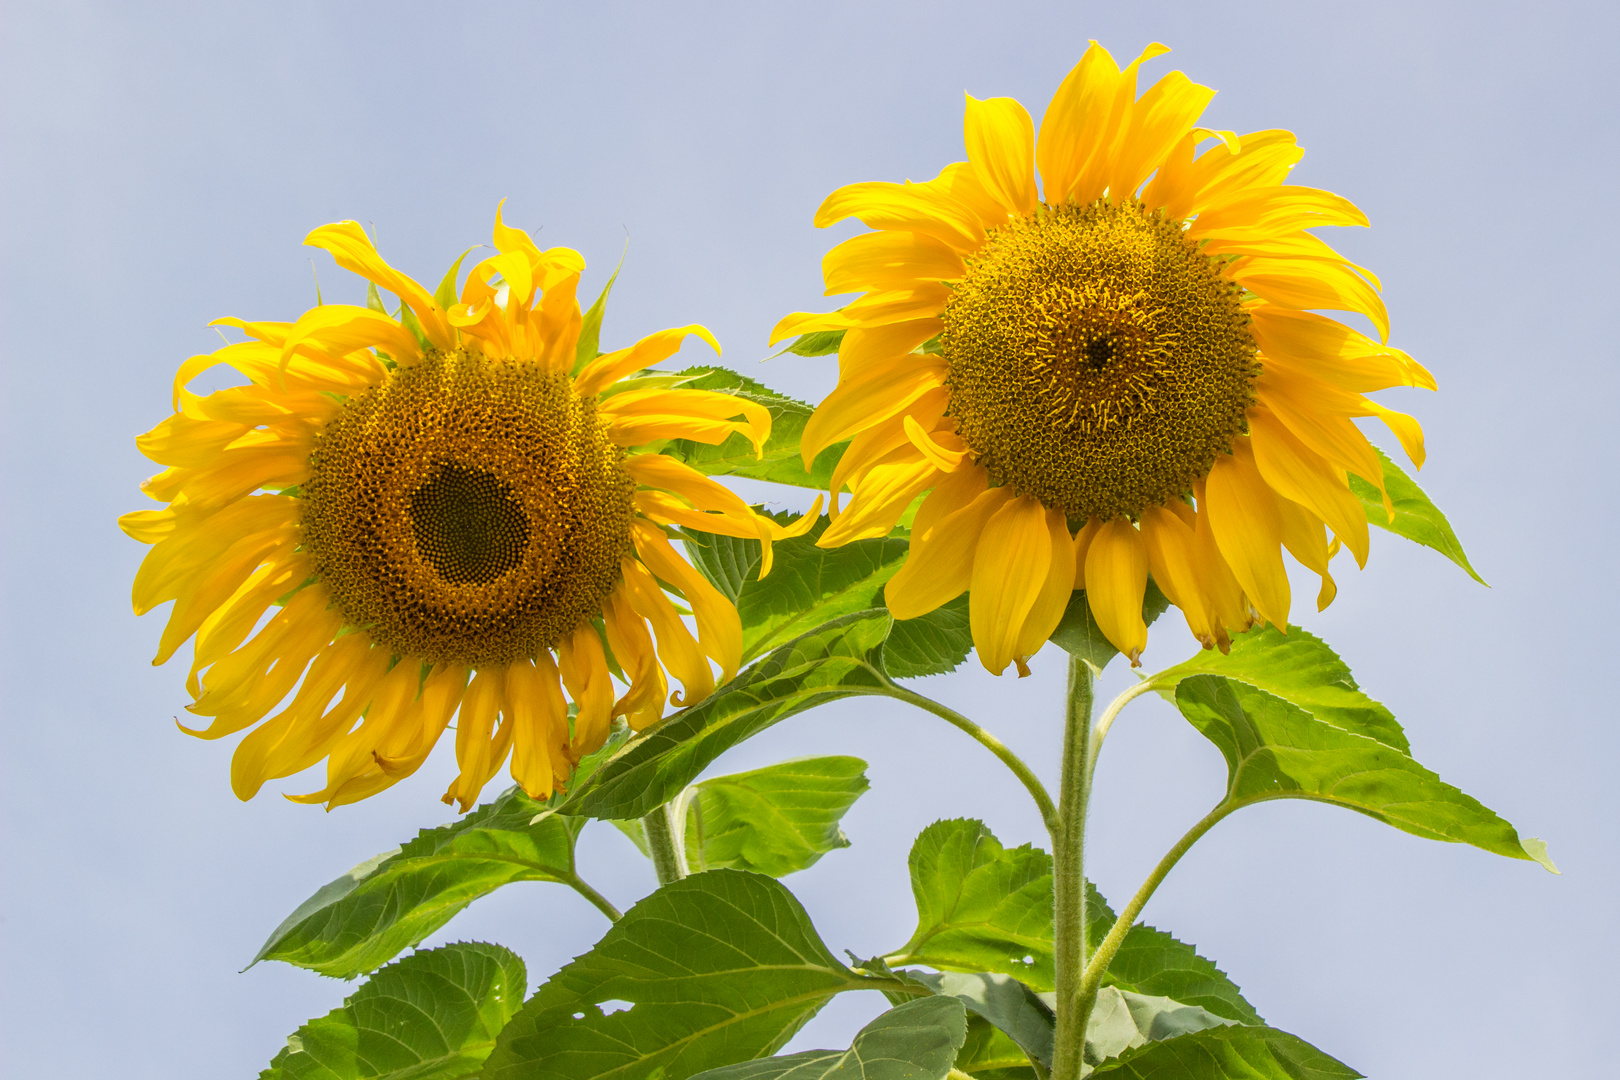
(1093, 356)
(450, 510)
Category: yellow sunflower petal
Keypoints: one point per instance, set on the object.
(1114, 115)
(945, 450)
(1261, 213)
(481, 746)
(888, 262)
(1082, 548)
(1000, 140)
(884, 493)
(1311, 283)
(939, 566)
(678, 650)
(337, 329)
(1010, 566)
(352, 249)
(1116, 581)
(865, 346)
(583, 666)
(1327, 349)
(1053, 599)
(1156, 121)
(637, 417)
(1248, 530)
(1299, 474)
(951, 494)
(869, 397)
(1220, 587)
(643, 704)
(609, 368)
(1303, 536)
(1168, 541)
(719, 626)
(907, 208)
(1075, 120)
(536, 708)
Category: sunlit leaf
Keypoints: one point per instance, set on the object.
(980, 907)
(807, 585)
(1226, 1053)
(914, 1041)
(1416, 518)
(1301, 669)
(776, 820)
(1276, 750)
(710, 970)
(391, 902)
(780, 462)
(431, 1016)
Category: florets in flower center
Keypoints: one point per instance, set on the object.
(468, 511)
(1097, 360)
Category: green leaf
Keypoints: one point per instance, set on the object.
(1003, 1001)
(391, 902)
(807, 585)
(930, 644)
(589, 346)
(432, 1016)
(716, 968)
(1079, 635)
(1226, 1053)
(817, 343)
(1152, 962)
(774, 821)
(980, 906)
(1299, 668)
(1121, 1020)
(781, 462)
(840, 659)
(988, 1053)
(1416, 518)
(914, 1041)
(1275, 750)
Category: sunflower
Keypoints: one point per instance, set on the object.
(1113, 376)
(439, 511)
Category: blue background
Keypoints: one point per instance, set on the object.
(162, 162)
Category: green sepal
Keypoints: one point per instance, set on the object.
(1416, 517)
(446, 295)
(589, 346)
(432, 1016)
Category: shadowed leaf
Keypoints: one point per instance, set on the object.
(914, 1041)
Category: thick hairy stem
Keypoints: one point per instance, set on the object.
(665, 842)
(1069, 877)
(1026, 776)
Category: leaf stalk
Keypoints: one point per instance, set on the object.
(666, 842)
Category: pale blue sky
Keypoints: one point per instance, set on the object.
(163, 161)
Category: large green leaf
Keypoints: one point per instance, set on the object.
(980, 906)
(716, 968)
(930, 644)
(776, 820)
(1299, 668)
(1226, 1053)
(1152, 962)
(1416, 518)
(840, 659)
(1121, 1020)
(1015, 1010)
(780, 462)
(914, 1041)
(1275, 750)
(807, 585)
(988, 1053)
(432, 1016)
(1079, 635)
(391, 902)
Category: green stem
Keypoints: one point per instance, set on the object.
(601, 902)
(1111, 942)
(1069, 877)
(1106, 721)
(664, 842)
(1026, 776)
